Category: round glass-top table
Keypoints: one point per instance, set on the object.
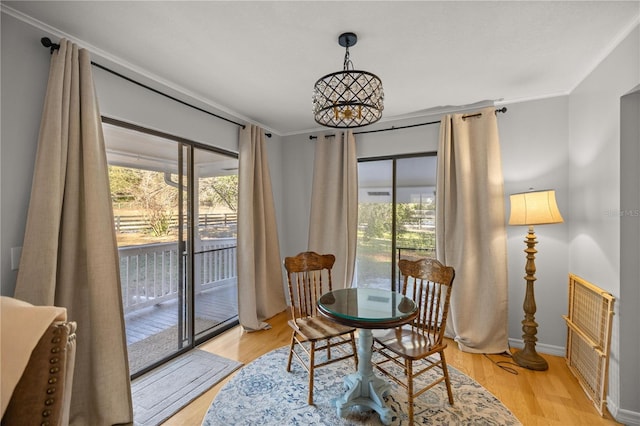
(366, 309)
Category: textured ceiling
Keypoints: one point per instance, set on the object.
(258, 60)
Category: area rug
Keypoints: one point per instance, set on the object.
(162, 392)
(263, 393)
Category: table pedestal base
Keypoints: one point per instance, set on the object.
(365, 389)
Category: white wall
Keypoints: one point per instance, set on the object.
(595, 203)
(629, 358)
(25, 69)
(129, 102)
(534, 137)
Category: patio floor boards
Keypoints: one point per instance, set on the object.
(214, 306)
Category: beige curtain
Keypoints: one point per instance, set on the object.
(69, 256)
(260, 290)
(333, 221)
(470, 230)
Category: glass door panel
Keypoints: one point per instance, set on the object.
(215, 242)
(374, 254)
(415, 207)
(396, 217)
(146, 201)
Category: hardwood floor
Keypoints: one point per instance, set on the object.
(552, 397)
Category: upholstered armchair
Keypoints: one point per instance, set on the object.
(42, 395)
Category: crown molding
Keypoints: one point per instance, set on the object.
(619, 38)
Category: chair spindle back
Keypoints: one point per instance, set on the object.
(308, 277)
(428, 282)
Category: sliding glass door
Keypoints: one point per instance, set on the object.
(396, 216)
(174, 208)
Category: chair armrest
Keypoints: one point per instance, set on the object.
(43, 394)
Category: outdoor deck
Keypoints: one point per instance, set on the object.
(213, 307)
(152, 332)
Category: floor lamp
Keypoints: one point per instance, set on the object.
(532, 208)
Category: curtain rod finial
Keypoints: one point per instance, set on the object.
(46, 42)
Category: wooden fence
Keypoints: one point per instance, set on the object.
(139, 223)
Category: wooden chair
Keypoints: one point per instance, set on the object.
(428, 283)
(309, 276)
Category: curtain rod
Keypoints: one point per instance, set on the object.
(46, 42)
(503, 110)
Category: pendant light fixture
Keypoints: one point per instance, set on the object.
(348, 98)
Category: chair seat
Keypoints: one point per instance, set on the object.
(409, 344)
(318, 328)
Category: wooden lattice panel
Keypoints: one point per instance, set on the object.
(589, 337)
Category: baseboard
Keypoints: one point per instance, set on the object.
(540, 347)
(626, 417)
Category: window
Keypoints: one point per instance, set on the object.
(396, 216)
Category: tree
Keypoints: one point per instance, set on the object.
(376, 218)
(156, 194)
(123, 181)
(149, 192)
(158, 200)
(220, 191)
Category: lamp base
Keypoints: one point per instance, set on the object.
(530, 359)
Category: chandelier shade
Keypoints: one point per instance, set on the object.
(348, 98)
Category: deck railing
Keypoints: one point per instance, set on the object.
(149, 273)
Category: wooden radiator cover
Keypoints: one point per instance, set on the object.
(589, 337)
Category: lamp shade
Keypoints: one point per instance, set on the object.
(534, 208)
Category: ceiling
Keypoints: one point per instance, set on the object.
(257, 61)
(139, 150)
